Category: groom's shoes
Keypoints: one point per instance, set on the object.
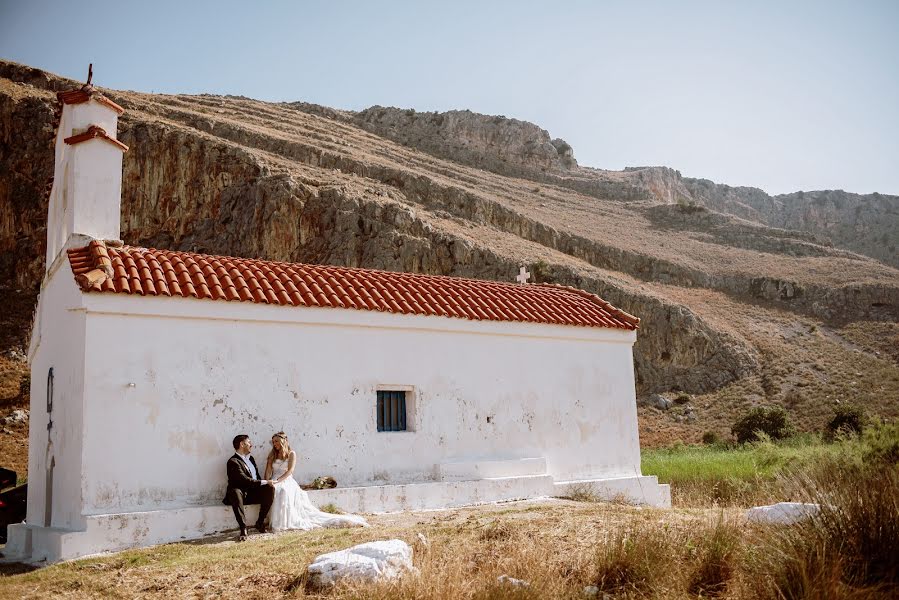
(261, 528)
(243, 536)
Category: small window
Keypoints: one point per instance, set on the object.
(391, 410)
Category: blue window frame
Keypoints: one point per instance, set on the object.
(391, 411)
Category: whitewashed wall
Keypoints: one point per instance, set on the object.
(167, 389)
(57, 342)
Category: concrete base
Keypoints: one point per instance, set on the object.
(442, 494)
(643, 489)
(114, 532)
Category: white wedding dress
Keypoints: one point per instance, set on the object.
(292, 508)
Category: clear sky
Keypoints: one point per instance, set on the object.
(780, 95)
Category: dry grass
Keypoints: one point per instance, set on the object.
(848, 550)
(559, 547)
(552, 545)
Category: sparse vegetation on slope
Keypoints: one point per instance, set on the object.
(734, 313)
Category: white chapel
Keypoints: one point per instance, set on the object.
(412, 391)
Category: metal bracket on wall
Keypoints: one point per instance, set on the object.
(50, 397)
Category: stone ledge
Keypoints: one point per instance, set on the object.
(489, 469)
(439, 494)
(640, 489)
(121, 531)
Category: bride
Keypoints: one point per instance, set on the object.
(292, 508)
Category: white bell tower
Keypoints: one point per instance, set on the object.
(86, 195)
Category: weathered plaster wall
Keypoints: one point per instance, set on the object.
(57, 342)
(168, 386)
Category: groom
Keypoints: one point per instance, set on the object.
(246, 487)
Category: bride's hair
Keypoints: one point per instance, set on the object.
(285, 447)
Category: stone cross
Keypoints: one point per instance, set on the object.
(523, 276)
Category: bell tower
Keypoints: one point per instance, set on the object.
(87, 178)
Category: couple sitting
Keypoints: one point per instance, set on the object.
(276, 491)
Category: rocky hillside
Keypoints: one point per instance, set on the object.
(867, 224)
(734, 311)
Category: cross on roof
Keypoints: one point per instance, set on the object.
(523, 275)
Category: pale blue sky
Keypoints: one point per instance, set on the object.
(780, 95)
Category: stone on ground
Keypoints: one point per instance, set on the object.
(783, 513)
(512, 581)
(385, 559)
(657, 401)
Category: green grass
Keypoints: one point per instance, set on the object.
(681, 464)
(748, 474)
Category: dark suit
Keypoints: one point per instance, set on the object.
(244, 489)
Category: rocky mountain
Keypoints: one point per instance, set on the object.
(867, 224)
(736, 310)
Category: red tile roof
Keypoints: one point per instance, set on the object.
(95, 131)
(85, 93)
(101, 267)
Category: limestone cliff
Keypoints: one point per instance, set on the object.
(455, 194)
(498, 144)
(867, 224)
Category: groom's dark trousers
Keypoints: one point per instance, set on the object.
(243, 490)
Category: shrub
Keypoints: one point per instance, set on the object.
(847, 418)
(682, 398)
(542, 272)
(689, 207)
(880, 445)
(772, 421)
(710, 438)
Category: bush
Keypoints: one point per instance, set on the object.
(880, 445)
(710, 438)
(682, 398)
(542, 272)
(847, 418)
(772, 421)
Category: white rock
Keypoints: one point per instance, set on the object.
(386, 559)
(591, 591)
(17, 416)
(783, 512)
(513, 581)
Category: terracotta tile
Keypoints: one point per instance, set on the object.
(95, 132)
(161, 272)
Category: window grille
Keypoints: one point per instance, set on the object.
(391, 411)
